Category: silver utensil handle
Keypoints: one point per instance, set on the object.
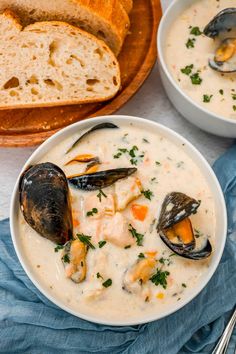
(223, 343)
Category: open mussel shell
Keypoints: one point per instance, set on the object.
(225, 57)
(187, 251)
(45, 202)
(176, 207)
(106, 125)
(224, 21)
(101, 179)
(175, 227)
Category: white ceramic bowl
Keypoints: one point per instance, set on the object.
(191, 110)
(221, 219)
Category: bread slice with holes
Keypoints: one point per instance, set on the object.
(106, 19)
(53, 63)
(127, 4)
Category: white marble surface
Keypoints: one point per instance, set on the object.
(150, 103)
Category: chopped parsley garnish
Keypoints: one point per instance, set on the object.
(157, 163)
(207, 98)
(166, 261)
(197, 233)
(135, 234)
(99, 275)
(147, 194)
(92, 212)
(160, 278)
(234, 96)
(195, 78)
(107, 283)
(196, 31)
(187, 70)
(184, 285)
(234, 107)
(101, 243)
(66, 258)
(100, 195)
(180, 164)
(141, 255)
(126, 247)
(86, 240)
(190, 43)
(58, 247)
(132, 153)
(221, 91)
(145, 141)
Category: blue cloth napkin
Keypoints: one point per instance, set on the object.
(29, 323)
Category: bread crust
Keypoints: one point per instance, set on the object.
(15, 19)
(127, 4)
(108, 12)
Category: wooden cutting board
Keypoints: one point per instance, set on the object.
(27, 127)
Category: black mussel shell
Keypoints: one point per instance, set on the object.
(176, 207)
(187, 251)
(45, 202)
(106, 125)
(224, 21)
(101, 179)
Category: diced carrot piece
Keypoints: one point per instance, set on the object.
(76, 222)
(160, 296)
(139, 211)
(151, 254)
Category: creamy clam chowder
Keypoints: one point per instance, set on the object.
(188, 51)
(126, 270)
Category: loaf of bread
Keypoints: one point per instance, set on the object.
(106, 19)
(127, 4)
(53, 63)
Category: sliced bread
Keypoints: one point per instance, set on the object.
(53, 63)
(106, 19)
(127, 4)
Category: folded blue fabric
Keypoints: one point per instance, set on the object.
(29, 323)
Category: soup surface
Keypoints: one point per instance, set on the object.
(188, 51)
(121, 220)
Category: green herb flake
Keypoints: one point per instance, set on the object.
(195, 78)
(160, 278)
(184, 285)
(126, 247)
(58, 248)
(86, 240)
(100, 195)
(101, 244)
(234, 107)
(233, 96)
(107, 283)
(221, 91)
(92, 212)
(207, 98)
(196, 31)
(187, 70)
(190, 43)
(145, 141)
(147, 194)
(99, 275)
(141, 255)
(157, 163)
(66, 258)
(135, 234)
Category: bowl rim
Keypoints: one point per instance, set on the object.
(176, 137)
(161, 57)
